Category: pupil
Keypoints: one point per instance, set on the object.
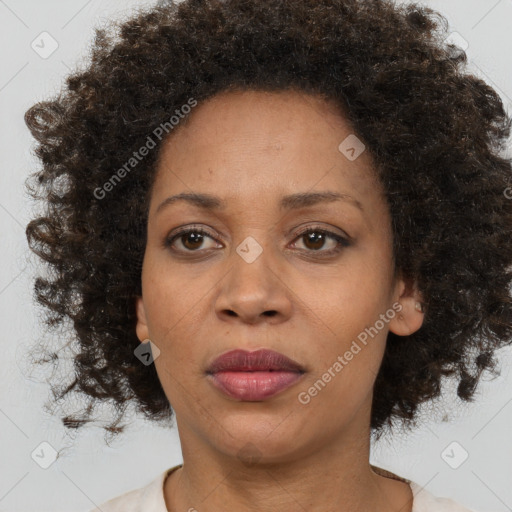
(319, 238)
(195, 237)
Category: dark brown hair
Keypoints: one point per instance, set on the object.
(435, 131)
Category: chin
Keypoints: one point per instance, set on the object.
(254, 441)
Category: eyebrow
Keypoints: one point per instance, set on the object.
(289, 202)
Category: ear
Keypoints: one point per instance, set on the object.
(142, 325)
(410, 317)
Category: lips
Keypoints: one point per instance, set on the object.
(242, 360)
(253, 376)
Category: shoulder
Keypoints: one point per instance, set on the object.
(148, 498)
(424, 501)
(128, 502)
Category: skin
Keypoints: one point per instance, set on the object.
(202, 299)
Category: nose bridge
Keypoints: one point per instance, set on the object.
(251, 287)
(250, 269)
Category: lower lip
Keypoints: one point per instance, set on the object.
(253, 386)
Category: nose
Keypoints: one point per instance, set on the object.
(254, 291)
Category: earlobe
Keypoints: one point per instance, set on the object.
(410, 317)
(142, 326)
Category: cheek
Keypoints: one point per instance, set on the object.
(346, 328)
(347, 356)
(174, 319)
(175, 306)
(172, 296)
(344, 300)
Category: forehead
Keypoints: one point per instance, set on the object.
(267, 144)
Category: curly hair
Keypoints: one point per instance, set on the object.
(435, 131)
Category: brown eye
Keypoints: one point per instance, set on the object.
(315, 239)
(190, 239)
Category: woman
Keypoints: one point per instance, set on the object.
(254, 215)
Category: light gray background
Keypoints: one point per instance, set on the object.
(88, 472)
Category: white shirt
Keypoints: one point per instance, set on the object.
(150, 498)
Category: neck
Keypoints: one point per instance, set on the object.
(336, 476)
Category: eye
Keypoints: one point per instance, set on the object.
(314, 239)
(190, 238)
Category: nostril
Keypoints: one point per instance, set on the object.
(271, 313)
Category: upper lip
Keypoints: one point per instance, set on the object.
(242, 360)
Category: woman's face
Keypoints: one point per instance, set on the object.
(254, 280)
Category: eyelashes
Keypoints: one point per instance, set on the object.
(192, 239)
(184, 232)
(340, 241)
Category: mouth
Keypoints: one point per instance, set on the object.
(253, 376)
